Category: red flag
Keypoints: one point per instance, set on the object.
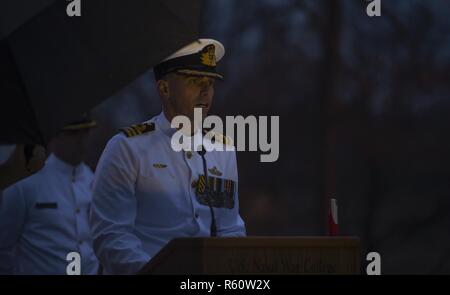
(333, 225)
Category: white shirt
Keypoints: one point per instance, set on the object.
(44, 217)
(145, 195)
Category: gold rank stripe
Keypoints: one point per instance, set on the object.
(80, 126)
(135, 130)
(130, 132)
(139, 129)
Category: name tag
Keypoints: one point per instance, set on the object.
(46, 205)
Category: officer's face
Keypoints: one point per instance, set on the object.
(184, 93)
(70, 146)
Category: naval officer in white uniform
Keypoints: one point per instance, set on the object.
(45, 217)
(145, 193)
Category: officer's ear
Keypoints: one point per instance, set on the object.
(162, 86)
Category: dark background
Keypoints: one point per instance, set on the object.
(364, 107)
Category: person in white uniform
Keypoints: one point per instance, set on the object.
(145, 192)
(45, 217)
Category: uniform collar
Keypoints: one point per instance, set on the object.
(164, 125)
(64, 167)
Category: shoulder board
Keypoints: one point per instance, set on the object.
(218, 137)
(138, 129)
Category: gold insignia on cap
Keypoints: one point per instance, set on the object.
(208, 55)
(215, 171)
(138, 129)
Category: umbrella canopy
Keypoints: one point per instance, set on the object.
(55, 67)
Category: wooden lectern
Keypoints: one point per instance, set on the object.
(258, 255)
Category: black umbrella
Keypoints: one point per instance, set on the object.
(54, 67)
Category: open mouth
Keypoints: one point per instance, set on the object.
(202, 105)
